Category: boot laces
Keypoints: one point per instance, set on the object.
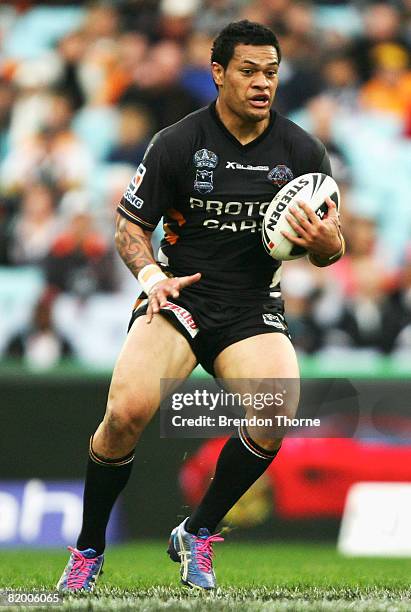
(204, 549)
(80, 570)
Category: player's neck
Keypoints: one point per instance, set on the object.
(243, 131)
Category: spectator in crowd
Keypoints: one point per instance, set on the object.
(406, 19)
(366, 320)
(300, 23)
(400, 305)
(55, 153)
(176, 18)
(195, 76)
(40, 345)
(382, 24)
(32, 80)
(214, 15)
(72, 50)
(99, 35)
(321, 112)
(300, 291)
(134, 133)
(7, 218)
(341, 81)
(80, 261)
(300, 79)
(156, 85)
(361, 239)
(35, 226)
(269, 12)
(140, 16)
(132, 47)
(7, 99)
(102, 22)
(389, 90)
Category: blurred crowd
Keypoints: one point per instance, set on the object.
(84, 86)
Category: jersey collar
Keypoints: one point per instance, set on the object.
(249, 145)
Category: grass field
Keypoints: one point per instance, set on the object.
(251, 577)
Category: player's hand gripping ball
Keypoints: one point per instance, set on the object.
(313, 189)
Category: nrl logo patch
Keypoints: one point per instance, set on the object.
(280, 175)
(204, 181)
(205, 159)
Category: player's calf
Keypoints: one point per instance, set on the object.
(271, 445)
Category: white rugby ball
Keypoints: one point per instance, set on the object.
(313, 189)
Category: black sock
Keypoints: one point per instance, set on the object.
(105, 479)
(240, 464)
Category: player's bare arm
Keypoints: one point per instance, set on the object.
(321, 237)
(134, 246)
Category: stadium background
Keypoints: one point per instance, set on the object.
(82, 88)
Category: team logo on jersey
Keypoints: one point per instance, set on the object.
(130, 194)
(237, 166)
(138, 177)
(274, 320)
(280, 175)
(205, 159)
(133, 199)
(204, 181)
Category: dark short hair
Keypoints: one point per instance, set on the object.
(241, 33)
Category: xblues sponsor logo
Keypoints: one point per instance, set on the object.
(237, 166)
(37, 513)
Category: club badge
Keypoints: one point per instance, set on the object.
(280, 175)
(204, 181)
(205, 161)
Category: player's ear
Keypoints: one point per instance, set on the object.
(217, 72)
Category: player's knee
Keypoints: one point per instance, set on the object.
(126, 416)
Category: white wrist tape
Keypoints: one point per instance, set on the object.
(149, 276)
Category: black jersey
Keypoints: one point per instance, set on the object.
(212, 193)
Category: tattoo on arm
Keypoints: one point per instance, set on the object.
(133, 244)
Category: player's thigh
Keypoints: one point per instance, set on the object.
(150, 353)
(264, 367)
(269, 355)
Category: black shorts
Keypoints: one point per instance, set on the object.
(191, 317)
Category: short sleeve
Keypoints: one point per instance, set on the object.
(322, 161)
(150, 191)
(325, 165)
